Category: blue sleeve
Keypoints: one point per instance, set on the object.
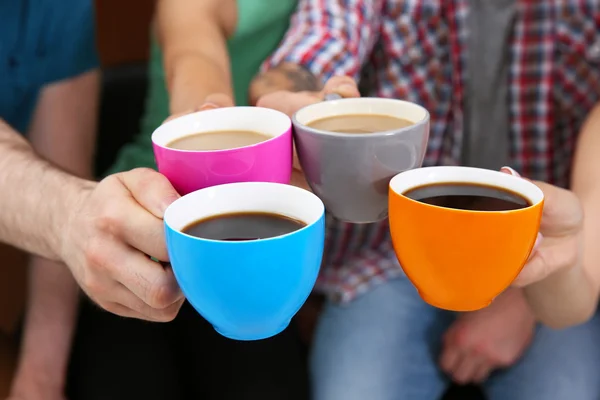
(73, 39)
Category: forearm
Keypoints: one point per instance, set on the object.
(563, 299)
(37, 197)
(570, 296)
(191, 78)
(63, 130)
(193, 39)
(49, 326)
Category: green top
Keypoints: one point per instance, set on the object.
(260, 27)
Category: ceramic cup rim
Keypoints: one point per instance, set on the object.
(315, 209)
(407, 180)
(297, 117)
(269, 117)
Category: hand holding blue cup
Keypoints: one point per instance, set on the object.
(247, 289)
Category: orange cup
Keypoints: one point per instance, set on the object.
(461, 260)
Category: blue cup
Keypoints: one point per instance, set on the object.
(248, 290)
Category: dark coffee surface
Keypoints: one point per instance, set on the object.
(243, 226)
(464, 196)
(360, 123)
(217, 140)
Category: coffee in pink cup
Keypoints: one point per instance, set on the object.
(224, 145)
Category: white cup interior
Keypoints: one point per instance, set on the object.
(362, 105)
(263, 120)
(405, 181)
(276, 198)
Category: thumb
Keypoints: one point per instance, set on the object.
(510, 171)
(561, 207)
(288, 102)
(151, 190)
(343, 86)
(540, 237)
(563, 213)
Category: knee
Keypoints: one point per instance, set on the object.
(346, 374)
(358, 387)
(549, 389)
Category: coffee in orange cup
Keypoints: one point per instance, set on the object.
(462, 234)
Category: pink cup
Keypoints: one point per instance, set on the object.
(188, 171)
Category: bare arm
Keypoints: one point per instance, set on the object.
(36, 196)
(63, 131)
(193, 37)
(103, 231)
(570, 296)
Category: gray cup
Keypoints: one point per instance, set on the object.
(351, 172)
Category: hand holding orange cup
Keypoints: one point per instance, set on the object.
(461, 234)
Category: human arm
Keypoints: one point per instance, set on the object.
(324, 40)
(31, 217)
(62, 131)
(101, 230)
(105, 232)
(193, 36)
(568, 258)
(323, 44)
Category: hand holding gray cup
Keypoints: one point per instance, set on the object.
(350, 149)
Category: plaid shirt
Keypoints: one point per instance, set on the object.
(416, 50)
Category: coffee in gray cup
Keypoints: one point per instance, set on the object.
(359, 123)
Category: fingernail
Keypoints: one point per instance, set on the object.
(168, 201)
(509, 170)
(538, 241)
(208, 106)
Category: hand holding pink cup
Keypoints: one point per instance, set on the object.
(191, 170)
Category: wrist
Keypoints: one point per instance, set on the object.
(193, 78)
(73, 194)
(35, 382)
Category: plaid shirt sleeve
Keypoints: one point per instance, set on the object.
(330, 37)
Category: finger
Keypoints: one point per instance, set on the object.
(538, 241)
(152, 283)
(482, 373)
(342, 85)
(563, 213)
(464, 372)
(510, 171)
(216, 100)
(551, 256)
(151, 190)
(141, 230)
(288, 102)
(212, 101)
(143, 312)
(449, 358)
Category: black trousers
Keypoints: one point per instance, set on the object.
(116, 358)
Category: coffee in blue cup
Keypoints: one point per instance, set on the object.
(246, 255)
